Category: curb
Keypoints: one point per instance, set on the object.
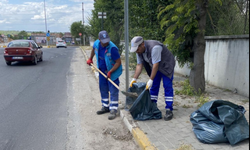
(49, 46)
(142, 139)
(139, 136)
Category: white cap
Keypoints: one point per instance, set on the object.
(135, 42)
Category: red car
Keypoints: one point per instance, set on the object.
(23, 50)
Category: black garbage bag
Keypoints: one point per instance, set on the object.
(143, 108)
(136, 88)
(220, 121)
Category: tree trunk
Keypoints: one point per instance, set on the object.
(197, 78)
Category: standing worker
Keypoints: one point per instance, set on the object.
(108, 62)
(159, 63)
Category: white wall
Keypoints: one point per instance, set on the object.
(226, 63)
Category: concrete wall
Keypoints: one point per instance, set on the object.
(226, 63)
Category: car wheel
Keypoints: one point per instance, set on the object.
(41, 58)
(8, 63)
(35, 61)
(57, 47)
(65, 46)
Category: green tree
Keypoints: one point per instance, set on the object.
(230, 18)
(22, 34)
(143, 22)
(185, 24)
(143, 19)
(76, 28)
(114, 22)
(11, 36)
(37, 32)
(87, 32)
(60, 34)
(94, 23)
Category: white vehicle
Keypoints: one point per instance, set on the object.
(58, 39)
(61, 43)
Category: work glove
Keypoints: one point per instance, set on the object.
(109, 74)
(149, 84)
(89, 62)
(133, 81)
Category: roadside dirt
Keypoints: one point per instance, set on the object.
(94, 132)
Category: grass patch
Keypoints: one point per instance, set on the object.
(245, 101)
(201, 99)
(227, 90)
(188, 90)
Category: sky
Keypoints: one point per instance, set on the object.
(28, 15)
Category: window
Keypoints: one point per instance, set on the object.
(34, 45)
(19, 44)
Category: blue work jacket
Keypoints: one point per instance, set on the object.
(108, 59)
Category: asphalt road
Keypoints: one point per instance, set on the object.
(33, 102)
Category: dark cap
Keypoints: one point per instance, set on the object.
(104, 37)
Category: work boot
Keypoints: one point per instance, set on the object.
(113, 114)
(169, 115)
(103, 110)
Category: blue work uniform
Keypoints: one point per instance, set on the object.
(106, 57)
(156, 52)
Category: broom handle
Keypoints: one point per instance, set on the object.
(101, 71)
(105, 76)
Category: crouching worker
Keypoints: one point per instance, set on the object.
(159, 63)
(109, 62)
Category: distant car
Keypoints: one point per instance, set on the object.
(23, 50)
(61, 43)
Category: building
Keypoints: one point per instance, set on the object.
(41, 39)
(1, 39)
(67, 37)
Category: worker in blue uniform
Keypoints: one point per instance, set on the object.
(159, 63)
(109, 62)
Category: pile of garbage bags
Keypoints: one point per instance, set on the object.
(220, 121)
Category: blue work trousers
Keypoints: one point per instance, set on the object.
(105, 87)
(168, 89)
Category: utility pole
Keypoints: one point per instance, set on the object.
(83, 23)
(246, 19)
(82, 13)
(45, 22)
(126, 17)
(48, 37)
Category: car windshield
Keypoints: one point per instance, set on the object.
(19, 44)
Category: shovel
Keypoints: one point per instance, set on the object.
(130, 94)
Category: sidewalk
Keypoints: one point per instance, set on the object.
(177, 133)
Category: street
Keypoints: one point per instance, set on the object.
(52, 105)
